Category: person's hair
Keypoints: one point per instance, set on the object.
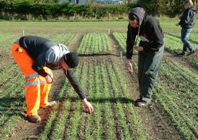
(132, 16)
(71, 59)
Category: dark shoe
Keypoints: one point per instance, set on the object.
(181, 54)
(191, 52)
(34, 118)
(141, 103)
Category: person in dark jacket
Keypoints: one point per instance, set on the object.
(187, 21)
(150, 50)
(37, 57)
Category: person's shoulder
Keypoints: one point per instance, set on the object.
(150, 19)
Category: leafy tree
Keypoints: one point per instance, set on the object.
(162, 7)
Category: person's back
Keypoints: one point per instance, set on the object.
(35, 45)
(187, 20)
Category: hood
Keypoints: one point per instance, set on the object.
(139, 13)
(193, 9)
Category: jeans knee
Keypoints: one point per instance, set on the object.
(184, 40)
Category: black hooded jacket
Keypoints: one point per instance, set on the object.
(187, 20)
(149, 28)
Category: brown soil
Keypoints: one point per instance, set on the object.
(155, 121)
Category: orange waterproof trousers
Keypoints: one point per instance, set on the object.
(37, 89)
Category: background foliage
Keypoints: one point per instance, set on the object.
(51, 9)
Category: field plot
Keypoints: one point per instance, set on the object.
(111, 90)
(95, 43)
(114, 116)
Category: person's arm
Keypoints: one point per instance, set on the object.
(76, 85)
(190, 18)
(74, 82)
(131, 34)
(38, 65)
(155, 36)
(41, 62)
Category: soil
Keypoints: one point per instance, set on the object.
(154, 119)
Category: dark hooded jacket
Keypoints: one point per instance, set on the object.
(149, 28)
(187, 20)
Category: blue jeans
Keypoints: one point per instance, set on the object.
(185, 33)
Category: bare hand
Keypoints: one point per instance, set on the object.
(87, 105)
(48, 79)
(130, 66)
(138, 48)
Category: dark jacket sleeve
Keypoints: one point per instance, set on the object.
(131, 34)
(75, 83)
(38, 65)
(155, 36)
(187, 19)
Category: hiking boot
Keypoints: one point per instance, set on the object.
(142, 103)
(34, 118)
(50, 104)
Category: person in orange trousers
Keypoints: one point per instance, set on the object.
(37, 57)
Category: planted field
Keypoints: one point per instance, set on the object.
(95, 43)
(109, 87)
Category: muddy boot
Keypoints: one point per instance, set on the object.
(52, 103)
(34, 118)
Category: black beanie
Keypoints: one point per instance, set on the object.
(71, 59)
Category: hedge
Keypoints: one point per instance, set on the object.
(29, 11)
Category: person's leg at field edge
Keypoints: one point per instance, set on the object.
(32, 85)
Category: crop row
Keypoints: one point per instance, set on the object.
(193, 36)
(114, 116)
(11, 99)
(176, 90)
(171, 43)
(93, 43)
(121, 40)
